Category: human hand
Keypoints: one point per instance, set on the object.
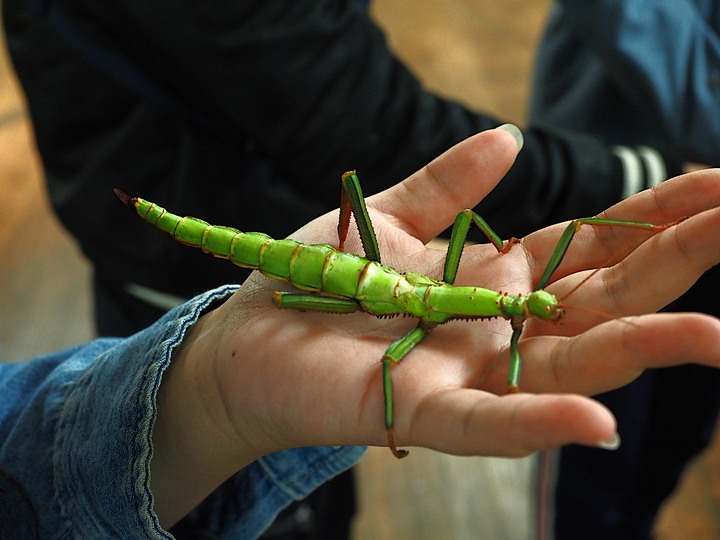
(263, 379)
(448, 391)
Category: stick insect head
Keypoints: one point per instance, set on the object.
(544, 305)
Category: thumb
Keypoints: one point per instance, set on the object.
(427, 202)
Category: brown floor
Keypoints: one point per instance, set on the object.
(478, 51)
(44, 293)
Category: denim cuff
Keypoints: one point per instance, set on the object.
(76, 430)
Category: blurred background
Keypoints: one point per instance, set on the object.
(477, 51)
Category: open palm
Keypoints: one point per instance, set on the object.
(290, 378)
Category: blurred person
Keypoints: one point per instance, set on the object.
(248, 113)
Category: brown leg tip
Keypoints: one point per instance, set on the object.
(398, 453)
(509, 244)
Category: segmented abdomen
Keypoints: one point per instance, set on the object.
(311, 267)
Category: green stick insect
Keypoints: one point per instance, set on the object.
(339, 282)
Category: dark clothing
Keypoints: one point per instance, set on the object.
(246, 113)
(634, 72)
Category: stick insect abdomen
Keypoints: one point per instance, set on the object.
(311, 267)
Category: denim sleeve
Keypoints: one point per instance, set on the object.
(75, 432)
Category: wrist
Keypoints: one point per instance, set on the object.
(194, 447)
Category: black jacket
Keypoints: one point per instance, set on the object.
(245, 114)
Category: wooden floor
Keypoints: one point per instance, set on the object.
(44, 292)
(478, 51)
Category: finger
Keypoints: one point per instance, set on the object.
(615, 353)
(470, 422)
(680, 197)
(684, 195)
(427, 202)
(655, 274)
(594, 246)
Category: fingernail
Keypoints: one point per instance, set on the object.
(513, 130)
(612, 444)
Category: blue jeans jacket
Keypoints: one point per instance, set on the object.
(75, 431)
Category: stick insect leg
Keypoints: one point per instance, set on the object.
(314, 302)
(575, 225)
(515, 360)
(458, 237)
(393, 355)
(353, 202)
